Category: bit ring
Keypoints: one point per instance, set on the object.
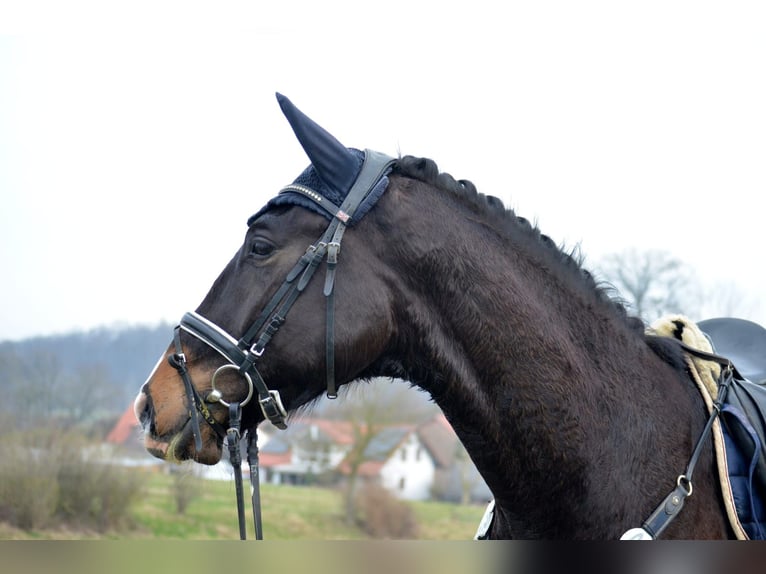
(215, 395)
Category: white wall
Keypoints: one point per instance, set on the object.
(409, 472)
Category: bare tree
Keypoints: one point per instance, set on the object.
(652, 283)
(86, 392)
(394, 401)
(369, 408)
(726, 299)
(15, 391)
(468, 479)
(40, 391)
(37, 392)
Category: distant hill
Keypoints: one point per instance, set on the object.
(122, 357)
(113, 363)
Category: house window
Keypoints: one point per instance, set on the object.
(401, 483)
(404, 453)
(417, 453)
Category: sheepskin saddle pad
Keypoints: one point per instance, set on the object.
(739, 433)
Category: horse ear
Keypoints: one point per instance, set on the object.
(335, 164)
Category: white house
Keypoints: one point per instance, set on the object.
(409, 469)
(316, 450)
(413, 462)
(309, 451)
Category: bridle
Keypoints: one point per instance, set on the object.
(243, 354)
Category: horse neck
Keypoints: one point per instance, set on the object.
(537, 375)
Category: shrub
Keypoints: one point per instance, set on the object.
(186, 487)
(116, 492)
(383, 515)
(93, 492)
(28, 491)
(51, 475)
(77, 482)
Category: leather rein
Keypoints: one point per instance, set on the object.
(243, 354)
(672, 504)
(669, 508)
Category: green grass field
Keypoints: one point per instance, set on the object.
(289, 513)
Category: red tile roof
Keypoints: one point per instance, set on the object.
(126, 428)
(369, 468)
(341, 432)
(267, 459)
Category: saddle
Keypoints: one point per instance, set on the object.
(743, 342)
(744, 415)
(740, 436)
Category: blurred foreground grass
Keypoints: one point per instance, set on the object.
(289, 513)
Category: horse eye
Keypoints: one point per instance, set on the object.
(261, 248)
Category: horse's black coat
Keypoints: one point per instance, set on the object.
(578, 422)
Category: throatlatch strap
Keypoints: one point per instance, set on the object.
(333, 251)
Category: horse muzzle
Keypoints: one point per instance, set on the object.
(169, 422)
(178, 445)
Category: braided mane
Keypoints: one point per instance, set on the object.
(427, 171)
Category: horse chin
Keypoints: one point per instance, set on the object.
(181, 448)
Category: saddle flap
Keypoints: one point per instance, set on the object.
(747, 402)
(743, 419)
(741, 341)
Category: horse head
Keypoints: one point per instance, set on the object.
(267, 333)
(369, 266)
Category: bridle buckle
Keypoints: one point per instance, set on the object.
(275, 400)
(257, 350)
(273, 409)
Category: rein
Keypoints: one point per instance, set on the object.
(669, 508)
(243, 354)
(672, 504)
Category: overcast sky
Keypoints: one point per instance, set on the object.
(134, 143)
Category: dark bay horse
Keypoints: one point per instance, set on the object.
(577, 420)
